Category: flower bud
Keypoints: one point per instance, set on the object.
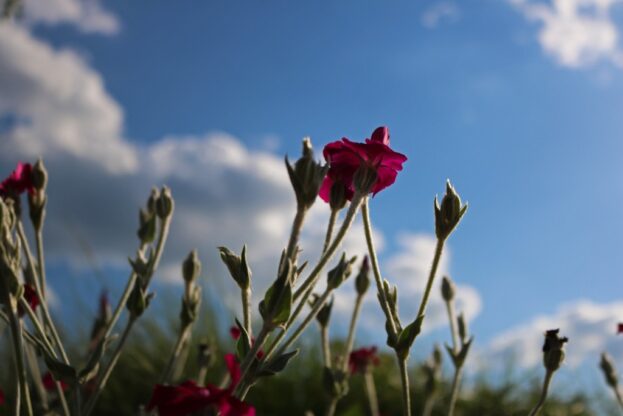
(340, 272)
(147, 227)
(191, 268)
(338, 197)
(449, 214)
(432, 371)
(362, 282)
(152, 201)
(165, 204)
(140, 265)
(306, 176)
(607, 368)
(448, 289)
(190, 306)
(277, 303)
(553, 352)
(138, 300)
(462, 324)
(324, 314)
(39, 176)
(237, 266)
(36, 209)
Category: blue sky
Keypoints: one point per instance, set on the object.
(517, 102)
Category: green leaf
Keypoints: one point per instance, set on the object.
(278, 364)
(60, 370)
(408, 334)
(243, 345)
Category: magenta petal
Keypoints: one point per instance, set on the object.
(381, 135)
(234, 370)
(180, 400)
(385, 177)
(325, 189)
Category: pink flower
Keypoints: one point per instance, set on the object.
(2, 400)
(345, 157)
(18, 182)
(30, 295)
(620, 328)
(50, 384)
(188, 397)
(360, 360)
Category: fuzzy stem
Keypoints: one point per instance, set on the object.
(175, 354)
(297, 226)
(404, 378)
(326, 346)
(18, 350)
(546, 382)
(365, 212)
(43, 304)
(617, 393)
(373, 400)
(431, 276)
(105, 375)
(330, 226)
(246, 310)
(456, 383)
(40, 260)
(351, 332)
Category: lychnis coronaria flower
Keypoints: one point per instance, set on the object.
(189, 397)
(359, 361)
(346, 157)
(18, 182)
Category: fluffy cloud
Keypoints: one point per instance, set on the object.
(443, 11)
(589, 326)
(576, 33)
(88, 16)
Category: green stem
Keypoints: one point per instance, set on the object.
(453, 328)
(18, 349)
(326, 346)
(376, 269)
(546, 382)
(40, 260)
(456, 382)
(329, 233)
(617, 393)
(177, 350)
(105, 375)
(332, 406)
(246, 310)
(351, 332)
(43, 304)
(373, 400)
(404, 378)
(35, 375)
(248, 360)
(297, 226)
(431, 276)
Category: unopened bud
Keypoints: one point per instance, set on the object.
(237, 265)
(339, 195)
(39, 176)
(324, 314)
(362, 282)
(553, 352)
(365, 177)
(152, 201)
(147, 227)
(190, 306)
(448, 289)
(340, 272)
(449, 213)
(191, 268)
(609, 371)
(462, 324)
(36, 209)
(138, 300)
(165, 204)
(306, 176)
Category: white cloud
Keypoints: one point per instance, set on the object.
(59, 105)
(576, 33)
(589, 326)
(443, 11)
(87, 15)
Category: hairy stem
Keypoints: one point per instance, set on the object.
(456, 383)
(246, 310)
(326, 346)
(297, 226)
(431, 276)
(373, 400)
(175, 354)
(404, 378)
(548, 378)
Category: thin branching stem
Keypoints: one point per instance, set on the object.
(40, 260)
(175, 354)
(431, 276)
(326, 346)
(245, 295)
(297, 226)
(373, 400)
(546, 382)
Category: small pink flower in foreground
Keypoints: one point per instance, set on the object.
(345, 157)
(360, 360)
(620, 328)
(30, 295)
(1, 397)
(18, 182)
(50, 384)
(188, 397)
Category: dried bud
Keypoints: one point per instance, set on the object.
(191, 268)
(449, 214)
(553, 352)
(306, 176)
(165, 204)
(448, 289)
(324, 314)
(362, 282)
(147, 227)
(39, 176)
(340, 272)
(610, 373)
(237, 266)
(338, 197)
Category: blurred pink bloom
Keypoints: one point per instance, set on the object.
(620, 328)
(345, 157)
(50, 384)
(18, 182)
(1, 397)
(30, 294)
(360, 360)
(188, 397)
